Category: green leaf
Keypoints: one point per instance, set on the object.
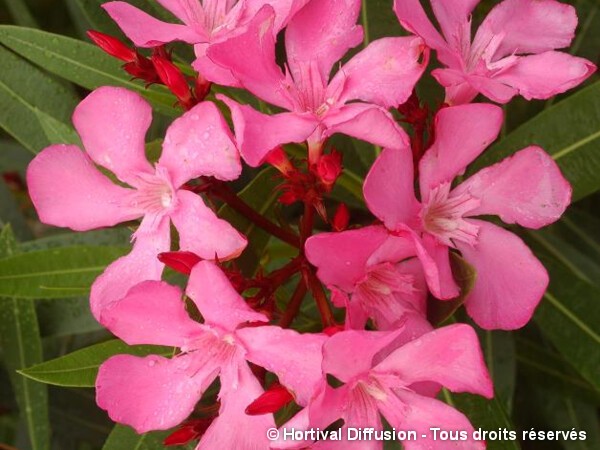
(548, 368)
(20, 339)
(54, 273)
(124, 437)
(569, 131)
(20, 13)
(500, 357)
(568, 414)
(569, 316)
(82, 63)
(489, 415)
(56, 131)
(25, 92)
(66, 317)
(79, 369)
(260, 194)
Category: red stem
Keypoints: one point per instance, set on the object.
(317, 291)
(225, 193)
(293, 307)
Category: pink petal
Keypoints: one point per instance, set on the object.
(388, 188)
(112, 123)
(341, 258)
(526, 188)
(547, 74)
(405, 410)
(67, 190)
(202, 232)
(462, 133)
(489, 87)
(152, 312)
(146, 31)
(199, 143)
(348, 354)
(211, 71)
(412, 16)
(251, 58)
(450, 356)
(458, 90)
(233, 428)
(454, 17)
(529, 26)
(139, 265)
(217, 300)
(188, 12)
(395, 248)
(295, 358)
(510, 279)
(151, 393)
(257, 133)
(366, 122)
(284, 10)
(322, 32)
(385, 72)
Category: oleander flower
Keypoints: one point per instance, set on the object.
(69, 190)
(380, 376)
(373, 274)
(512, 53)
(316, 38)
(205, 22)
(157, 393)
(526, 188)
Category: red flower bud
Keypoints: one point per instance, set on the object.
(341, 218)
(278, 159)
(270, 401)
(182, 262)
(189, 431)
(113, 46)
(329, 168)
(173, 78)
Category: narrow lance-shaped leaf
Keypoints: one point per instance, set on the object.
(82, 63)
(569, 131)
(79, 369)
(20, 340)
(54, 273)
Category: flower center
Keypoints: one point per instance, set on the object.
(443, 216)
(215, 13)
(155, 193)
(381, 282)
(308, 91)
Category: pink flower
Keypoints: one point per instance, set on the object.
(374, 275)
(382, 379)
(204, 23)
(157, 393)
(68, 190)
(318, 36)
(526, 188)
(512, 52)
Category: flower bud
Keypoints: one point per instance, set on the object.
(273, 399)
(174, 79)
(113, 46)
(341, 218)
(329, 168)
(190, 431)
(278, 159)
(182, 262)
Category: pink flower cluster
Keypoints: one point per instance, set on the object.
(387, 358)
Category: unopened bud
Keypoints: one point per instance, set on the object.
(202, 87)
(272, 400)
(188, 432)
(278, 159)
(182, 262)
(112, 46)
(329, 167)
(341, 218)
(174, 79)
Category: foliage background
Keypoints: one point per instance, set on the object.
(547, 375)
